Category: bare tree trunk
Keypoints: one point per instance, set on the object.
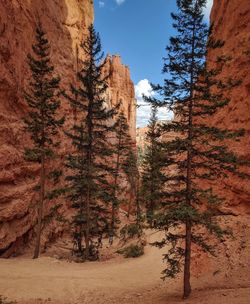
(89, 178)
(188, 238)
(87, 232)
(87, 225)
(40, 208)
(129, 204)
(138, 207)
(115, 185)
(187, 285)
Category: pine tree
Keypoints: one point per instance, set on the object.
(42, 121)
(199, 153)
(152, 179)
(130, 168)
(121, 150)
(89, 164)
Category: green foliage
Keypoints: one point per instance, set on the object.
(247, 53)
(130, 168)
(198, 155)
(153, 179)
(131, 231)
(42, 121)
(55, 176)
(42, 98)
(140, 155)
(122, 150)
(54, 214)
(32, 155)
(132, 251)
(90, 192)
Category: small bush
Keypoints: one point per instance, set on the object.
(4, 300)
(131, 231)
(132, 251)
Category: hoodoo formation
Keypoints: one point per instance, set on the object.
(132, 206)
(66, 23)
(121, 89)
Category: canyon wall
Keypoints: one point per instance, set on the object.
(65, 22)
(121, 89)
(231, 19)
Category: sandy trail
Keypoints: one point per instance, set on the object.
(50, 278)
(118, 281)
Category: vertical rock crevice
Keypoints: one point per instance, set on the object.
(231, 20)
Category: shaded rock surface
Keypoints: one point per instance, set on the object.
(66, 23)
(231, 21)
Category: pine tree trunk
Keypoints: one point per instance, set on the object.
(115, 185)
(89, 178)
(113, 205)
(151, 205)
(129, 204)
(138, 207)
(81, 229)
(40, 209)
(88, 202)
(87, 225)
(187, 285)
(188, 238)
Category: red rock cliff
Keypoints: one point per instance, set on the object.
(121, 89)
(65, 22)
(231, 20)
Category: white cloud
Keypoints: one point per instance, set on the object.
(101, 4)
(119, 2)
(143, 87)
(208, 8)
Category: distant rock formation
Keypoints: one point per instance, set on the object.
(66, 23)
(121, 89)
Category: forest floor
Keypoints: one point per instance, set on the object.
(225, 280)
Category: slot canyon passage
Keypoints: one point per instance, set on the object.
(59, 277)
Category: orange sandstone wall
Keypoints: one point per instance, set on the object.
(65, 22)
(231, 20)
(121, 89)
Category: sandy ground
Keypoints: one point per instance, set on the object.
(127, 281)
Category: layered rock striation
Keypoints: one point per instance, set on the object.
(121, 90)
(66, 23)
(231, 21)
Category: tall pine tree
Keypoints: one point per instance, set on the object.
(122, 148)
(42, 121)
(199, 152)
(90, 171)
(131, 170)
(152, 180)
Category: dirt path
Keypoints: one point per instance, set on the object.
(50, 278)
(122, 281)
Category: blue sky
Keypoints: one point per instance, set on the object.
(139, 31)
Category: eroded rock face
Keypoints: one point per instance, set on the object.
(65, 22)
(121, 90)
(231, 20)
